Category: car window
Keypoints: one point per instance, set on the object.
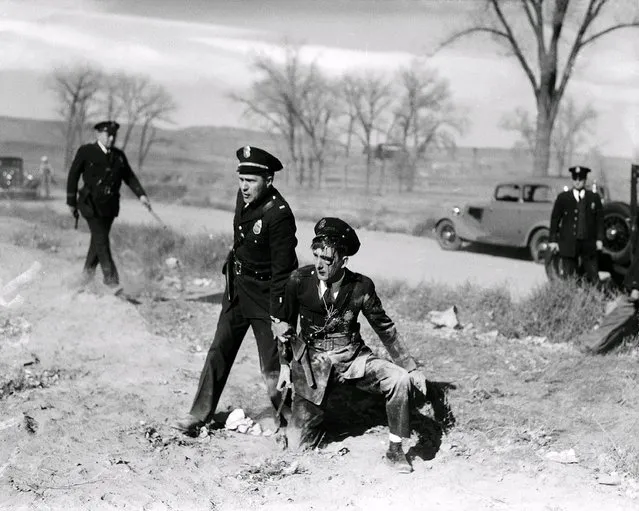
(508, 193)
(538, 193)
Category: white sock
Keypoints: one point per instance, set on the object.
(394, 438)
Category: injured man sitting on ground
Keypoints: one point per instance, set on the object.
(325, 298)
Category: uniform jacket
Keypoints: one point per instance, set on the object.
(563, 222)
(264, 241)
(356, 294)
(102, 176)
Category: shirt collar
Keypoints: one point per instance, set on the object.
(334, 286)
(579, 194)
(101, 145)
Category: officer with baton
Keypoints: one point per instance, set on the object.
(103, 167)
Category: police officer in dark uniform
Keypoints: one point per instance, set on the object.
(576, 227)
(103, 168)
(262, 258)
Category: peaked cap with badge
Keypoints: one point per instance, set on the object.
(337, 229)
(254, 160)
(111, 127)
(579, 172)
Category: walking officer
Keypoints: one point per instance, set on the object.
(576, 227)
(257, 268)
(103, 167)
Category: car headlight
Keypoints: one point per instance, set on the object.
(456, 211)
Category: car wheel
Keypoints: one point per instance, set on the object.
(617, 231)
(538, 244)
(447, 235)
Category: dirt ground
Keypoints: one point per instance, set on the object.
(91, 385)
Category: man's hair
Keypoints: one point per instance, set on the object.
(337, 244)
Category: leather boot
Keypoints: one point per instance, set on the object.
(189, 425)
(396, 458)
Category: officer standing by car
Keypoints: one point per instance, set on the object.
(576, 227)
(102, 167)
(257, 268)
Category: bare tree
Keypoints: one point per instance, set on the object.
(369, 98)
(75, 89)
(424, 118)
(521, 122)
(547, 48)
(572, 131)
(155, 105)
(317, 114)
(570, 134)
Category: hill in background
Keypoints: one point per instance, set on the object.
(197, 166)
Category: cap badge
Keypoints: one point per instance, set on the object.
(247, 151)
(321, 225)
(257, 227)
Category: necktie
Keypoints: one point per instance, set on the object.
(327, 296)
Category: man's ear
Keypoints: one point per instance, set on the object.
(344, 261)
(269, 180)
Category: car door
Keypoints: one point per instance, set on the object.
(538, 200)
(497, 221)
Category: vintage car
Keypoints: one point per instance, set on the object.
(14, 182)
(519, 216)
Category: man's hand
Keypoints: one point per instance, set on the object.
(418, 379)
(145, 202)
(285, 377)
(634, 295)
(73, 210)
(553, 246)
(599, 244)
(279, 328)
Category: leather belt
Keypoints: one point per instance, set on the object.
(240, 268)
(328, 342)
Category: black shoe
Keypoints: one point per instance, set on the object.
(396, 458)
(438, 399)
(189, 425)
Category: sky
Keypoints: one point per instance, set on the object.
(201, 50)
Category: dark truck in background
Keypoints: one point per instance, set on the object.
(14, 183)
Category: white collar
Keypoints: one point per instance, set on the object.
(579, 194)
(334, 287)
(101, 145)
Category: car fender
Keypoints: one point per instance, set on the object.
(467, 228)
(534, 228)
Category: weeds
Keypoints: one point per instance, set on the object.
(35, 237)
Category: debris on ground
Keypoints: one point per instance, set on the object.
(566, 457)
(270, 470)
(238, 421)
(445, 319)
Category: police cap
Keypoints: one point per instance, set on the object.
(337, 229)
(579, 172)
(111, 127)
(254, 160)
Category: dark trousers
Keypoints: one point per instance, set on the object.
(589, 261)
(100, 250)
(231, 329)
(380, 377)
(621, 322)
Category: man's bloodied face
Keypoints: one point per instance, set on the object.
(328, 264)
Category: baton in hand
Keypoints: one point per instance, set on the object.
(155, 215)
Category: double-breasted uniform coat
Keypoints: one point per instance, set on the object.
(257, 269)
(98, 201)
(576, 226)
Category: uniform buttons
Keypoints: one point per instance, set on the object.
(240, 227)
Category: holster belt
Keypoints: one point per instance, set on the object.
(240, 268)
(328, 342)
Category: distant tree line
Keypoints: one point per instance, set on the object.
(86, 94)
(320, 117)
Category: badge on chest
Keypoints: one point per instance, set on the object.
(257, 227)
